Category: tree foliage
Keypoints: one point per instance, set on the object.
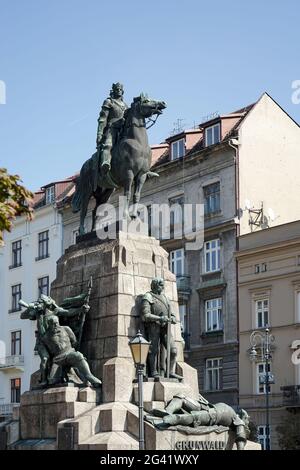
(15, 200)
(289, 432)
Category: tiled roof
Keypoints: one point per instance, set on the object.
(235, 117)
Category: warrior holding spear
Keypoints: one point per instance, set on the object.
(157, 318)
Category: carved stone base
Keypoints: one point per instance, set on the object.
(41, 410)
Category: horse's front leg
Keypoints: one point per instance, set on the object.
(127, 193)
(139, 183)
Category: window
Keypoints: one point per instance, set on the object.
(211, 198)
(177, 149)
(149, 219)
(16, 343)
(214, 374)
(262, 436)
(50, 194)
(183, 318)
(213, 315)
(261, 378)
(257, 269)
(43, 245)
(16, 254)
(212, 256)
(262, 313)
(15, 390)
(264, 268)
(16, 295)
(212, 135)
(75, 235)
(176, 215)
(177, 262)
(43, 285)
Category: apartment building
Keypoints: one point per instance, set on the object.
(27, 268)
(269, 295)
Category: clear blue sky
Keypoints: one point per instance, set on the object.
(59, 58)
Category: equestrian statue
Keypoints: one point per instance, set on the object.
(123, 156)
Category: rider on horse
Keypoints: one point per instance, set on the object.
(110, 123)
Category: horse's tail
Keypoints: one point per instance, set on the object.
(77, 197)
(84, 186)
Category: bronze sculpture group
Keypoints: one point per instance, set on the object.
(58, 346)
(122, 159)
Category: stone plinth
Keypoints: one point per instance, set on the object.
(122, 270)
(41, 410)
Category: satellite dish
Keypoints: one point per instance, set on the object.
(247, 204)
(271, 214)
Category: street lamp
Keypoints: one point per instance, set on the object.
(264, 341)
(139, 349)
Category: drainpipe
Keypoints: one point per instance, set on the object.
(234, 143)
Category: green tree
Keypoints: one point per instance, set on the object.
(289, 432)
(15, 200)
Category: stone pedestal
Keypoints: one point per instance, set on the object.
(42, 410)
(122, 270)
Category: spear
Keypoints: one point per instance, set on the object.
(86, 304)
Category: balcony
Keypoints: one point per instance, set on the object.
(183, 286)
(11, 362)
(6, 409)
(291, 396)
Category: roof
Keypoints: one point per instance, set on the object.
(62, 189)
(230, 124)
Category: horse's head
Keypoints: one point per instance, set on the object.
(147, 107)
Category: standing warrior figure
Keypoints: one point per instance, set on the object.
(110, 123)
(156, 316)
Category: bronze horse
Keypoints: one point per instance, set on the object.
(130, 164)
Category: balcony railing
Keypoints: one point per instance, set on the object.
(291, 395)
(11, 362)
(6, 409)
(183, 284)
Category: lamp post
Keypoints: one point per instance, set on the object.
(139, 349)
(264, 341)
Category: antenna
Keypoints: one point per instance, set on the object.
(178, 126)
(257, 217)
(210, 116)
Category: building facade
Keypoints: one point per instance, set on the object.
(27, 268)
(269, 294)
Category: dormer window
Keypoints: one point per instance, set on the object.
(50, 194)
(177, 149)
(212, 135)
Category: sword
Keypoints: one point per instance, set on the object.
(169, 342)
(86, 304)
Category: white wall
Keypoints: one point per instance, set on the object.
(46, 218)
(269, 156)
